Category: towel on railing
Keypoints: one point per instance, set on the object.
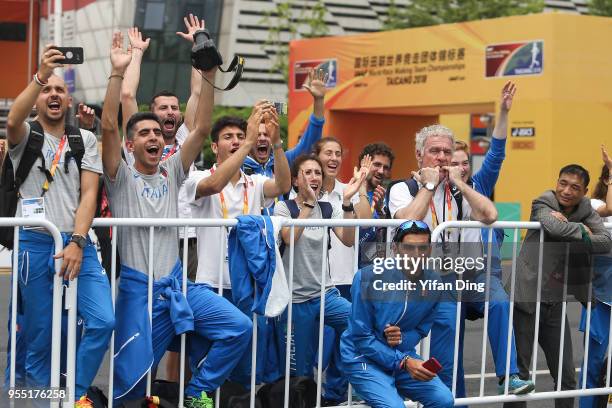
(256, 269)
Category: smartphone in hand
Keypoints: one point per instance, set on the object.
(432, 365)
(72, 55)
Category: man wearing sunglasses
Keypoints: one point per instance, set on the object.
(390, 314)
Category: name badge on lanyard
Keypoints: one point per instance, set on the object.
(33, 208)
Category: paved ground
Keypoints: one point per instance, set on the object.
(472, 350)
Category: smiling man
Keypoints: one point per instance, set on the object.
(567, 218)
(61, 187)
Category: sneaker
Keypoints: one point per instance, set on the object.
(203, 402)
(84, 402)
(516, 386)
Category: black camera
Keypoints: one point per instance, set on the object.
(204, 54)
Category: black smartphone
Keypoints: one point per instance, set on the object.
(73, 55)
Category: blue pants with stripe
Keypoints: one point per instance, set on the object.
(384, 389)
(36, 273)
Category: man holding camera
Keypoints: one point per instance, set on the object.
(149, 189)
(61, 187)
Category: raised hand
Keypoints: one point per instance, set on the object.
(192, 24)
(507, 95)
(427, 175)
(315, 83)
(364, 166)
(120, 58)
(378, 197)
(49, 61)
(454, 173)
(136, 40)
(257, 115)
(272, 125)
(311, 197)
(606, 158)
(353, 186)
(86, 116)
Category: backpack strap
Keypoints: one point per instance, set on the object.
(77, 147)
(293, 208)
(326, 212)
(413, 186)
(33, 151)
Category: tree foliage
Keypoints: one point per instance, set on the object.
(421, 13)
(600, 8)
(291, 20)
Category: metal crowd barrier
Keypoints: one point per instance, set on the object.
(115, 223)
(18, 222)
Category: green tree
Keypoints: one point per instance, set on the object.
(422, 13)
(600, 7)
(296, 19)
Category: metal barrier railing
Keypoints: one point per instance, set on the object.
(17, 222)
(325, 223)
(558, 393)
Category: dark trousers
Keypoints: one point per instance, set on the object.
(192, 257)
(549, 338)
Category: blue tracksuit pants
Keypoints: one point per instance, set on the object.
(598, 349)
(384, 389)
(94, 306)
(222, 334)
(443, 331)
(268, 369)
(305, 334)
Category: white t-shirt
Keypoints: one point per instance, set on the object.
(212, 241)
(400, 197)
(341, 257)
(596, 203)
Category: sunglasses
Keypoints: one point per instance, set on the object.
(410, 226)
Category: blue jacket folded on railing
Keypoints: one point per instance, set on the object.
(256, 270)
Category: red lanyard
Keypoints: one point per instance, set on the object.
(171, 152)
(245, 204)
(56, 159)
(432, 208)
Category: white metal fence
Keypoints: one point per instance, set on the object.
(151, 224)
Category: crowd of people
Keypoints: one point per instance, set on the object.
(369, 337)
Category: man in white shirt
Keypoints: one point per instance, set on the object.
(224, 191)
(438, 188)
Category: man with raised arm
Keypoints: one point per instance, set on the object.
(149, 189)
(61, 187)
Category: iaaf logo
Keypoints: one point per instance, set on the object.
(520, 58)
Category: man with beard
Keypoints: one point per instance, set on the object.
(149, 189)
(374, 191)
(261, 159)
(165, 105)
(62, 190)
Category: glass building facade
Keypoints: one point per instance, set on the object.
(166, 64)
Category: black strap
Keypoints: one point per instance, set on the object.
(326, 212)
(237, 65)
(33, 151)
(77, 147)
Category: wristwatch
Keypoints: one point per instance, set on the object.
(80, 240)
(348, 208)
(430, 186)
